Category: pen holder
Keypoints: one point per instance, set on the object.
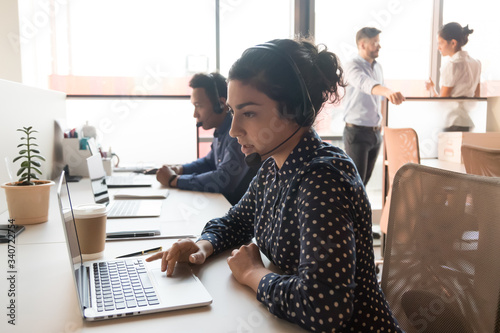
(75, 158)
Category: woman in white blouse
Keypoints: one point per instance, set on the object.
(460, 76)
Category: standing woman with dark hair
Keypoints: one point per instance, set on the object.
(460, 77)
(307, 208)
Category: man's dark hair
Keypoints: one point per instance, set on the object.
(366, 32)
(208, 83)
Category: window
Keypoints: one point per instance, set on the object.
(247, 23)
(405, 25)
(119, 47)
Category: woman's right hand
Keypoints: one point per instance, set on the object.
(184, 250)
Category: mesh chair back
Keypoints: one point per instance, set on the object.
(441, 269)
(481, 161)
(401, 147)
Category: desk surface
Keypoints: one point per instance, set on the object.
(46, 298)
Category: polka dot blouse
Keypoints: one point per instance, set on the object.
(312, 219)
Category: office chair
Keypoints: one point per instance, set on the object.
(401, 147)
(481, 161)
(441, 270)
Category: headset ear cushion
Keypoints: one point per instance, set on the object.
(218, 108)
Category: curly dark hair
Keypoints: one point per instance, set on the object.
(266, 70)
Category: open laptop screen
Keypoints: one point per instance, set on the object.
(67, 216)
(72, 243)
(98, 179)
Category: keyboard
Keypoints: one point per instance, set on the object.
(124, 208)
(123, 284)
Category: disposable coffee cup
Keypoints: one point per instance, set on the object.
(90, 222)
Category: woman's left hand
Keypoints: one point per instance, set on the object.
(247, 266)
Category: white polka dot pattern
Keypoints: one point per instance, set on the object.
(312, 219)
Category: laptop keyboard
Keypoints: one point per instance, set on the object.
(123, 285)
(124, 208)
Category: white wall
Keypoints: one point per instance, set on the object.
(10, 64)
(23, 106)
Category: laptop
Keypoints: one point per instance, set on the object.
(118, 208)
(125, 287)
(123, 180)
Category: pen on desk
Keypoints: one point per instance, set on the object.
(140, 253)
(112, 239)
(130, 234)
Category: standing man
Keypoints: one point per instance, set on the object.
(223, 170)
(364, 93)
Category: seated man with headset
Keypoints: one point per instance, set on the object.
(223, 170)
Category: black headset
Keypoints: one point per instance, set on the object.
(217, 105)
(305, 116)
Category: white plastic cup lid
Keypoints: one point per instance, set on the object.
(88, 211)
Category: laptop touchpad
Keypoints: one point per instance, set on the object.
(180, 289)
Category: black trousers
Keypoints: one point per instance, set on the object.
(362, 144)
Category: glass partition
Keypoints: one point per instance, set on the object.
(427, 116)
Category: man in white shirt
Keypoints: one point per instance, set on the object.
(362, 112)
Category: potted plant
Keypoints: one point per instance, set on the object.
(28, 198)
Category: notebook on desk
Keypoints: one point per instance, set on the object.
(120, 288)
(118, 208)
(128, 181)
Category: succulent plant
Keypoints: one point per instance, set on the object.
(30, 166)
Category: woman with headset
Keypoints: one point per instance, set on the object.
(306, 208)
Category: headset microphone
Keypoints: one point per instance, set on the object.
(254, 159)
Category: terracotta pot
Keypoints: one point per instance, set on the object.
(28, 204)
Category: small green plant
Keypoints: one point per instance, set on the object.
(30, 166)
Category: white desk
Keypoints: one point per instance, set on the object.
(46, 298)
